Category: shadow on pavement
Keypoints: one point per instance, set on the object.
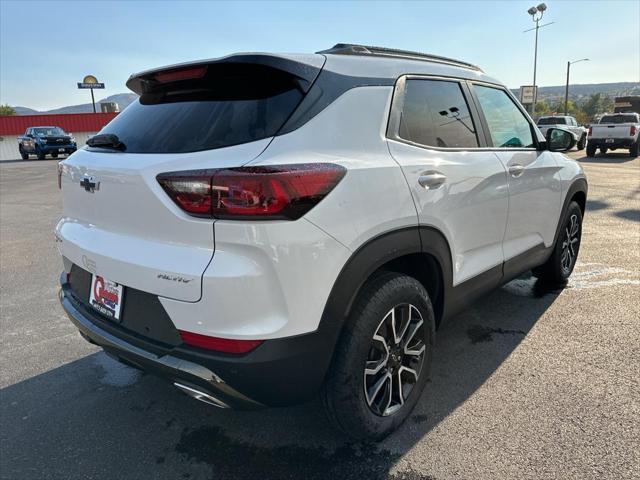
(610, 157)
(95, 418)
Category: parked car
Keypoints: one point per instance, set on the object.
(567, 123)
(261, 229)
(42, 141)
(613, 131)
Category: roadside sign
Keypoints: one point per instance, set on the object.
(528, 94)
(90, 82)
(90, 85)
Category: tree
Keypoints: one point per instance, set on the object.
(7, 110)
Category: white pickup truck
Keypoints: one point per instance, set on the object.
(613, 131)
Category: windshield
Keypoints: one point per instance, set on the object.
(619, 119)
(48, 131)
(552, 121)
(232, 104)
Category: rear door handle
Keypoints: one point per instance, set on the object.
(432, 180)
(516, 170)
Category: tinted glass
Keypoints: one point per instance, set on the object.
(508, 127)
(435, 113)
(234, 107)
(619, 119)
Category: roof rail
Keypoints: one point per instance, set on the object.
(352, 49)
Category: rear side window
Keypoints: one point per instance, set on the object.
(508, 127)
(228, 106)
(435, 113)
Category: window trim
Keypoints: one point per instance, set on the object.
(397, 103)
(534, 131)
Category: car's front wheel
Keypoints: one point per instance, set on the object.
(383, 358)
(581, 142)
(603, 150)
(563, 259)
(40, 154)
(24, 155)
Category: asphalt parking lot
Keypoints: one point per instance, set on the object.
(529, 383)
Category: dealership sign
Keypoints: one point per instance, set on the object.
(528, 94)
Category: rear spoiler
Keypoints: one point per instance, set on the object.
(305, 68)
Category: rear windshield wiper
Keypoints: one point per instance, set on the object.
(106, 140)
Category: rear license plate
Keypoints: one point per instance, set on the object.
(61, 150)
(609, 140)
(106, 297)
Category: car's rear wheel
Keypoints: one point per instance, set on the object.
(633, 151)
(603, 150)
(383, 358)
(54, 154)
(565, 252)
(591, 150)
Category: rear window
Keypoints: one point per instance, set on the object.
(552, 121)
(619, 119)
(228, 106)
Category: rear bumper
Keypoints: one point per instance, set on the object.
(279, 372)
(616, 143)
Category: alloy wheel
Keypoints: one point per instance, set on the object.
(570, 244)
(395, 359)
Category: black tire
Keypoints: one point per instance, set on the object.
(54, 154)
(24, 155)
(343, 393)
(40, 154)
(581, 143)
(591, 150)
(558, 267)
(603, 150)
(633, 151)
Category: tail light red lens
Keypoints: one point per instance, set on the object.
(224, 345)
(274, 192)
(180, 74)
(632, 131)
(590, 131)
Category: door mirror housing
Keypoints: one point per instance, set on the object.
(559, 140)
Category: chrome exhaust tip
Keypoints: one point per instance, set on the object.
(202, 396)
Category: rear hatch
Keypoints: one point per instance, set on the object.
(117, 220)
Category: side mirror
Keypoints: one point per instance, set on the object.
(559, 140)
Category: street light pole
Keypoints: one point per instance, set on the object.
(536, 15)
(566, 88)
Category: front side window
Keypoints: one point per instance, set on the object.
(435, 113)
(508, 127)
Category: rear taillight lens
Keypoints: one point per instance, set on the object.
(225, 345)
(274, 192)
(632, 130)
(590, 131)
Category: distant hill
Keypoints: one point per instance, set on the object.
(122, 99)
(578, 91)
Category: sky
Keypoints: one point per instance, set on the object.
(47, 47)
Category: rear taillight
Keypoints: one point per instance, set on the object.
(590, 131)
(274, 192)
(225, 345)
(632, 131)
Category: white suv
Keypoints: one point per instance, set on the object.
(260, 228)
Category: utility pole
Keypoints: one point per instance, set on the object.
(566, 88)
